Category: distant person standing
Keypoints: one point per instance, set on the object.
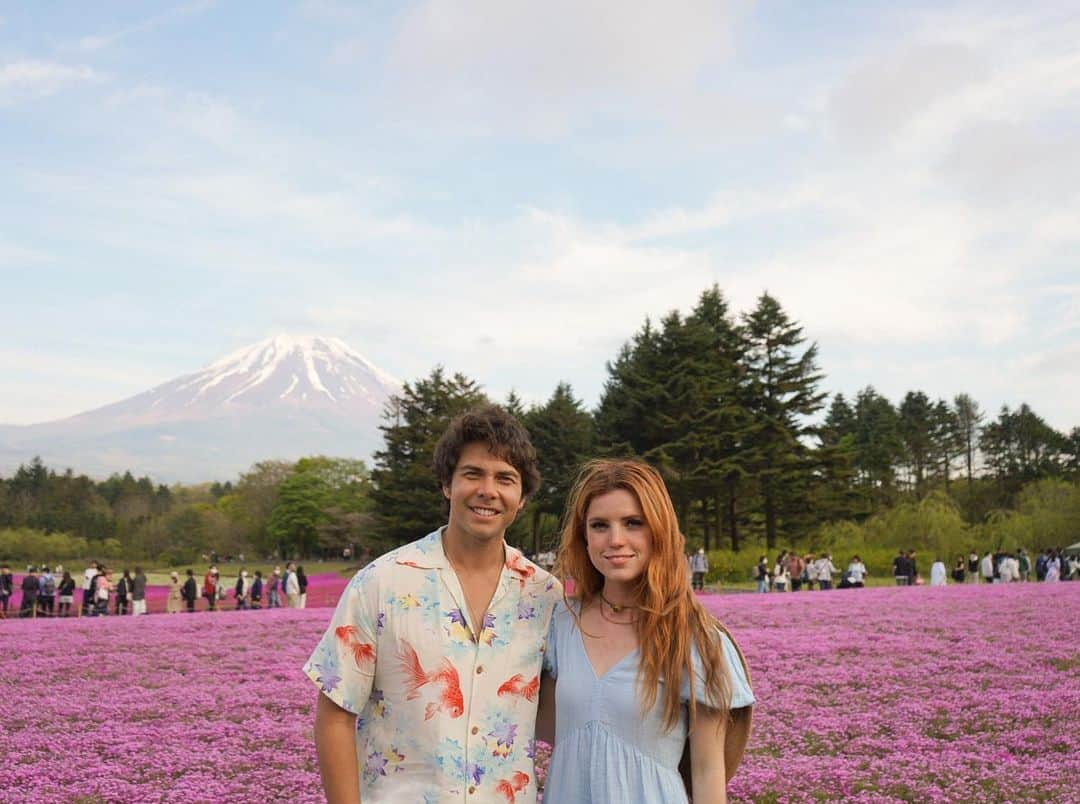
(959, 570)
(292, 587)
(103, 587)
(973, 567)
(825, 570)
(89, 574)
(1024, 560)
(257, 590)
(66, 598)
(123, 593)
(273, 589)
(986, 568)
(138, 592)
(795, 568)
(190, 591)
(175, 597)
(900, 569)
(210, 588)
(761, 574)
(301, 582)
(243, 591)
(856, 571)
(29, 593)
(913, 569)
(47, 592)
(937, 573)
(7, 588)
(699, 566)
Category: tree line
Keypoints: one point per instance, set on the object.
(730, 408)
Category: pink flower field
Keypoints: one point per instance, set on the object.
(911, 694)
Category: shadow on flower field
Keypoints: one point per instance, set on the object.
(909, 694)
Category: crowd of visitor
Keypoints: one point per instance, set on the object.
(795, 572)
(51, 592)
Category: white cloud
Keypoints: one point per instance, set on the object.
(21, 80)
(543, 70)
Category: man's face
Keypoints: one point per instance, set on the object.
(484, 494)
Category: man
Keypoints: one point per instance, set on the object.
(795, 567)
(1025, 566)
(825, 570)
(190, 592)
(699, 565)
(291, 585)
(438, 645)
(986, 568)
(243, 590)
(29, 593)
(138, 592)
(900, 571)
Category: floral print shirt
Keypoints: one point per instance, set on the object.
(443, 715)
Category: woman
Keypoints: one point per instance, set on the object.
(301, 583)
(856, 571)
(937, 573)
(634, 621)
(123, 593)
(175, 599)
(67, 595)
(959, 570)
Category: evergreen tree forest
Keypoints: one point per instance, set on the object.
(733, 410)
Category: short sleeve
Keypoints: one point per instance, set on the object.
(551, 653)
(741, 694)
(343, 663)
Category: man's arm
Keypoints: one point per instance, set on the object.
(335, 743)
(545, 710)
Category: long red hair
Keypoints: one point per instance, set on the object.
(670, 617)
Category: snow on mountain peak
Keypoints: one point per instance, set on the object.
(288, 367)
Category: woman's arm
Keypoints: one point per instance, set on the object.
(707, 756)
(335, 743)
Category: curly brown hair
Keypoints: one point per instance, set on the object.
(505, 437)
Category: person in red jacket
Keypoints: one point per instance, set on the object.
(210, 588)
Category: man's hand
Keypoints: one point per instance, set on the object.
(335, 743)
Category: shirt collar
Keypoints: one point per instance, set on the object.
(427, 553)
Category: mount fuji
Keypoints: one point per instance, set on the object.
(282, 398)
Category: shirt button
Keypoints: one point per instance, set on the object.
(479, 669)
(471, 790)
(475, 729)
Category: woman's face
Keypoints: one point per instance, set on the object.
(617, 536)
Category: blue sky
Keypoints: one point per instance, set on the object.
(509, 188)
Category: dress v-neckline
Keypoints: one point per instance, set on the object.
(589, 661)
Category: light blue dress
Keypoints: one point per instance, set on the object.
(605, 751)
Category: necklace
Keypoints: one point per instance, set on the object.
(617, 622)
(615, 607)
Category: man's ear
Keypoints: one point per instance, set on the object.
(446, 491)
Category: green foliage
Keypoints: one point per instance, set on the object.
(407, 502)
(299, 512)
(562, 433)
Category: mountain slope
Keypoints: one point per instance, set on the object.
(284, 397)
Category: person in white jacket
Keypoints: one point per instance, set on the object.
(937, 573)
(825, 570)
(292, 587)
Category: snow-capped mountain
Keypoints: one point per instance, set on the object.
(284, 397)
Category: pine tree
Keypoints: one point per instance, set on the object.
(916, 429)
(784, 383)
(406, 496)
(564, 436)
